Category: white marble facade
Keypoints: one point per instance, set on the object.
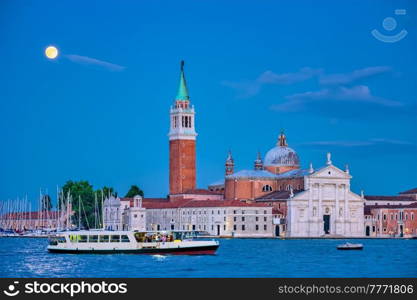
(327, 207)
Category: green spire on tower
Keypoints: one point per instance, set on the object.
(182, 90)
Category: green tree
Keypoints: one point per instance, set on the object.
(86, 202)
(134, 191)
(105, 192)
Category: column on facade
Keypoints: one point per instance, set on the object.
(346, 210)
(310, 208)
(337, 207)
(320, 216)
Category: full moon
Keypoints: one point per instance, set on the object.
(51, 52)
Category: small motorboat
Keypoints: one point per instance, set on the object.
(350, 246)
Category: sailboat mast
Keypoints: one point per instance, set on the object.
(102, 209)
(79, 212)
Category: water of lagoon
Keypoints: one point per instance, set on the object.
(28, 257)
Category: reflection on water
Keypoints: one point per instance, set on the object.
(159, 257)
(24, 257)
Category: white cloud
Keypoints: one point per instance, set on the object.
(358, 94)
(92, 61)
(348, 78)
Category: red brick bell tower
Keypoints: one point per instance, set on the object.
(182, 137)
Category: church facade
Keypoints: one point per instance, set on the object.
(327, 206)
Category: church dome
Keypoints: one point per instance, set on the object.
(281, 155)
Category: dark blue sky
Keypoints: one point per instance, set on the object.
(100, 112)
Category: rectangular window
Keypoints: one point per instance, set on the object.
(125, 239)
(93, 238)
(265, 227)
(257, 227)
(115, 238)
(104, 239)
(373, 228)
(265, 218)
(234, 219)
(257, 219)
(82, 239)
(243, 227)
(234, 227)
(224, 227)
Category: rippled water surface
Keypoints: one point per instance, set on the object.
(26, 257)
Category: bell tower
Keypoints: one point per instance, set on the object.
(182, 138)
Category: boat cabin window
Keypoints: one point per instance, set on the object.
(183, 235)
(104, 238)
(154, 237)
(82, 239)
(115, 238)
(93, 238)
(140, 237)
(57, 240)
(125, 239)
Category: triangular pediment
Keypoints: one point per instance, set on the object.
(330, 172)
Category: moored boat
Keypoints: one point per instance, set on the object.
(350, 246)
(135, 242)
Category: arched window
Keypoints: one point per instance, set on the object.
(267, 188)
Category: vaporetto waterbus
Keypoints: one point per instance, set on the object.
(135, 242)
